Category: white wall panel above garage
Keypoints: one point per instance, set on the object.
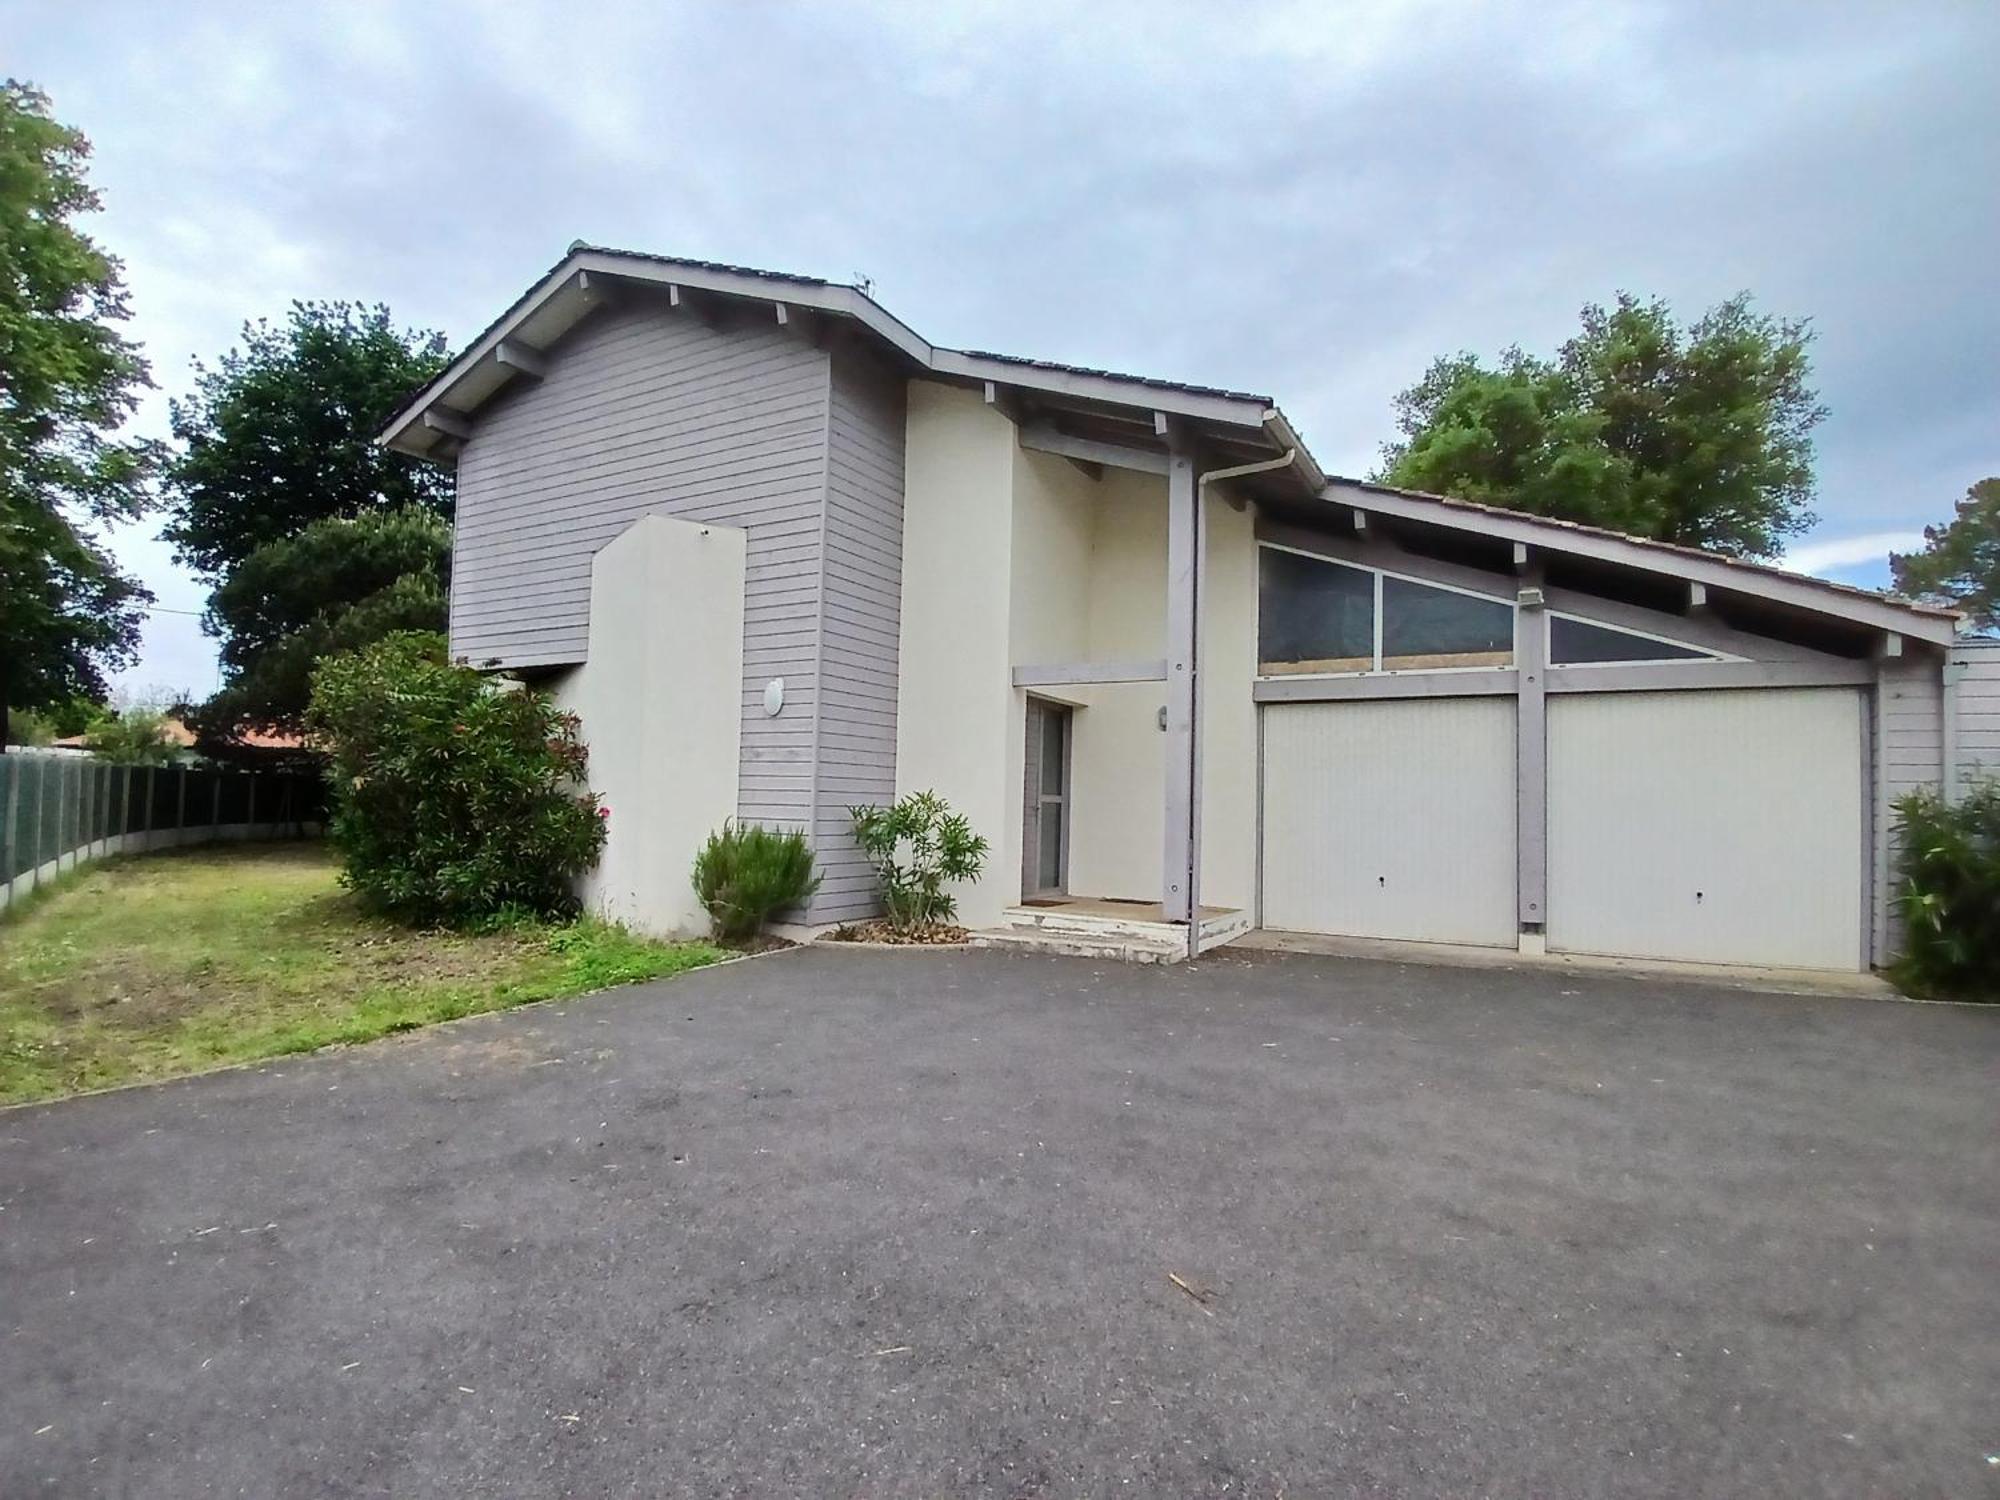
(1715, 827)
(1391, 819)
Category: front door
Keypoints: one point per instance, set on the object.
(1045, 825)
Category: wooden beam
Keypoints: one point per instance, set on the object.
(521, 359)
(1672, 675)
(1183, 638)
(1159, 424)
(992, 393)
(450, 423)
(1520, 557)
(1089, 673)
(784, 317)
(1360, 521)
(1046, 437)
(673, 294)
(1697, 596)
(1531, 761)
(1496, 682)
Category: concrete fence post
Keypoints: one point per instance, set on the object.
(41, 791)
(10, 767)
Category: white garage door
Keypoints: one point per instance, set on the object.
(1391, 819)
(1716, 827)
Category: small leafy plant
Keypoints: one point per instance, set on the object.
(1951, 892)
(747, 872)
(917, 846)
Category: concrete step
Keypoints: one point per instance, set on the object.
(1125, 949)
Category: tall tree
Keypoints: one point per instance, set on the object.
(277, 443)
(1960, 563)
(68, 380)
(280, 432)
(337, 586)
(1699, 435)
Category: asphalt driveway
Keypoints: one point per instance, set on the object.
(847, 1224)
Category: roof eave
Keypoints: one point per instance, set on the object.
(1876, 611)
(405, 431)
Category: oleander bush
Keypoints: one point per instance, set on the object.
(918, 846)
(456, 795)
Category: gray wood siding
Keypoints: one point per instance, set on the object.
(1978, 710)
(650, 409)
(861, 596)
(1909, 753)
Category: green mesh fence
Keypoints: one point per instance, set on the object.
(54, 805)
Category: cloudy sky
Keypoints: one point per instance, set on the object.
(1308, 199)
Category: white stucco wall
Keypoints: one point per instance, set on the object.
(661, 705)
(1228, 713)
(957, 722)
(1118, 756)
(1014, 557)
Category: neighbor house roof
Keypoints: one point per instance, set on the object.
(1091, 402)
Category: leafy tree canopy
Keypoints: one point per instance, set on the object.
(335, 586)
(1960, 563)
(280, 432)
(316, 539)
(1700, 436)
(68, 380)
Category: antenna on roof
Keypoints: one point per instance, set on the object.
(863, 284)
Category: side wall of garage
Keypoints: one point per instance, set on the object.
(1909, 753)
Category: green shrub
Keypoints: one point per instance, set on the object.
(746, 872)
(1951, 893)
(456, 796)
(917, 845)
(136, 737)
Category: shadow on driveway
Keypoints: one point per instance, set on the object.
(903, 1225)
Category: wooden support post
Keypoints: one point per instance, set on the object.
(1531, 772)
(1177, 848)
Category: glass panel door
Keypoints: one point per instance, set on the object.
(1045, 865)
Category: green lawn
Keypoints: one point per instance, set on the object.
(171, 963)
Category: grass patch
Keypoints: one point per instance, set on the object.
(163, 964)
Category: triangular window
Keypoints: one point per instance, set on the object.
(1578, 643)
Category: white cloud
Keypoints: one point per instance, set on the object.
(1837, 552)
(1306, 200)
